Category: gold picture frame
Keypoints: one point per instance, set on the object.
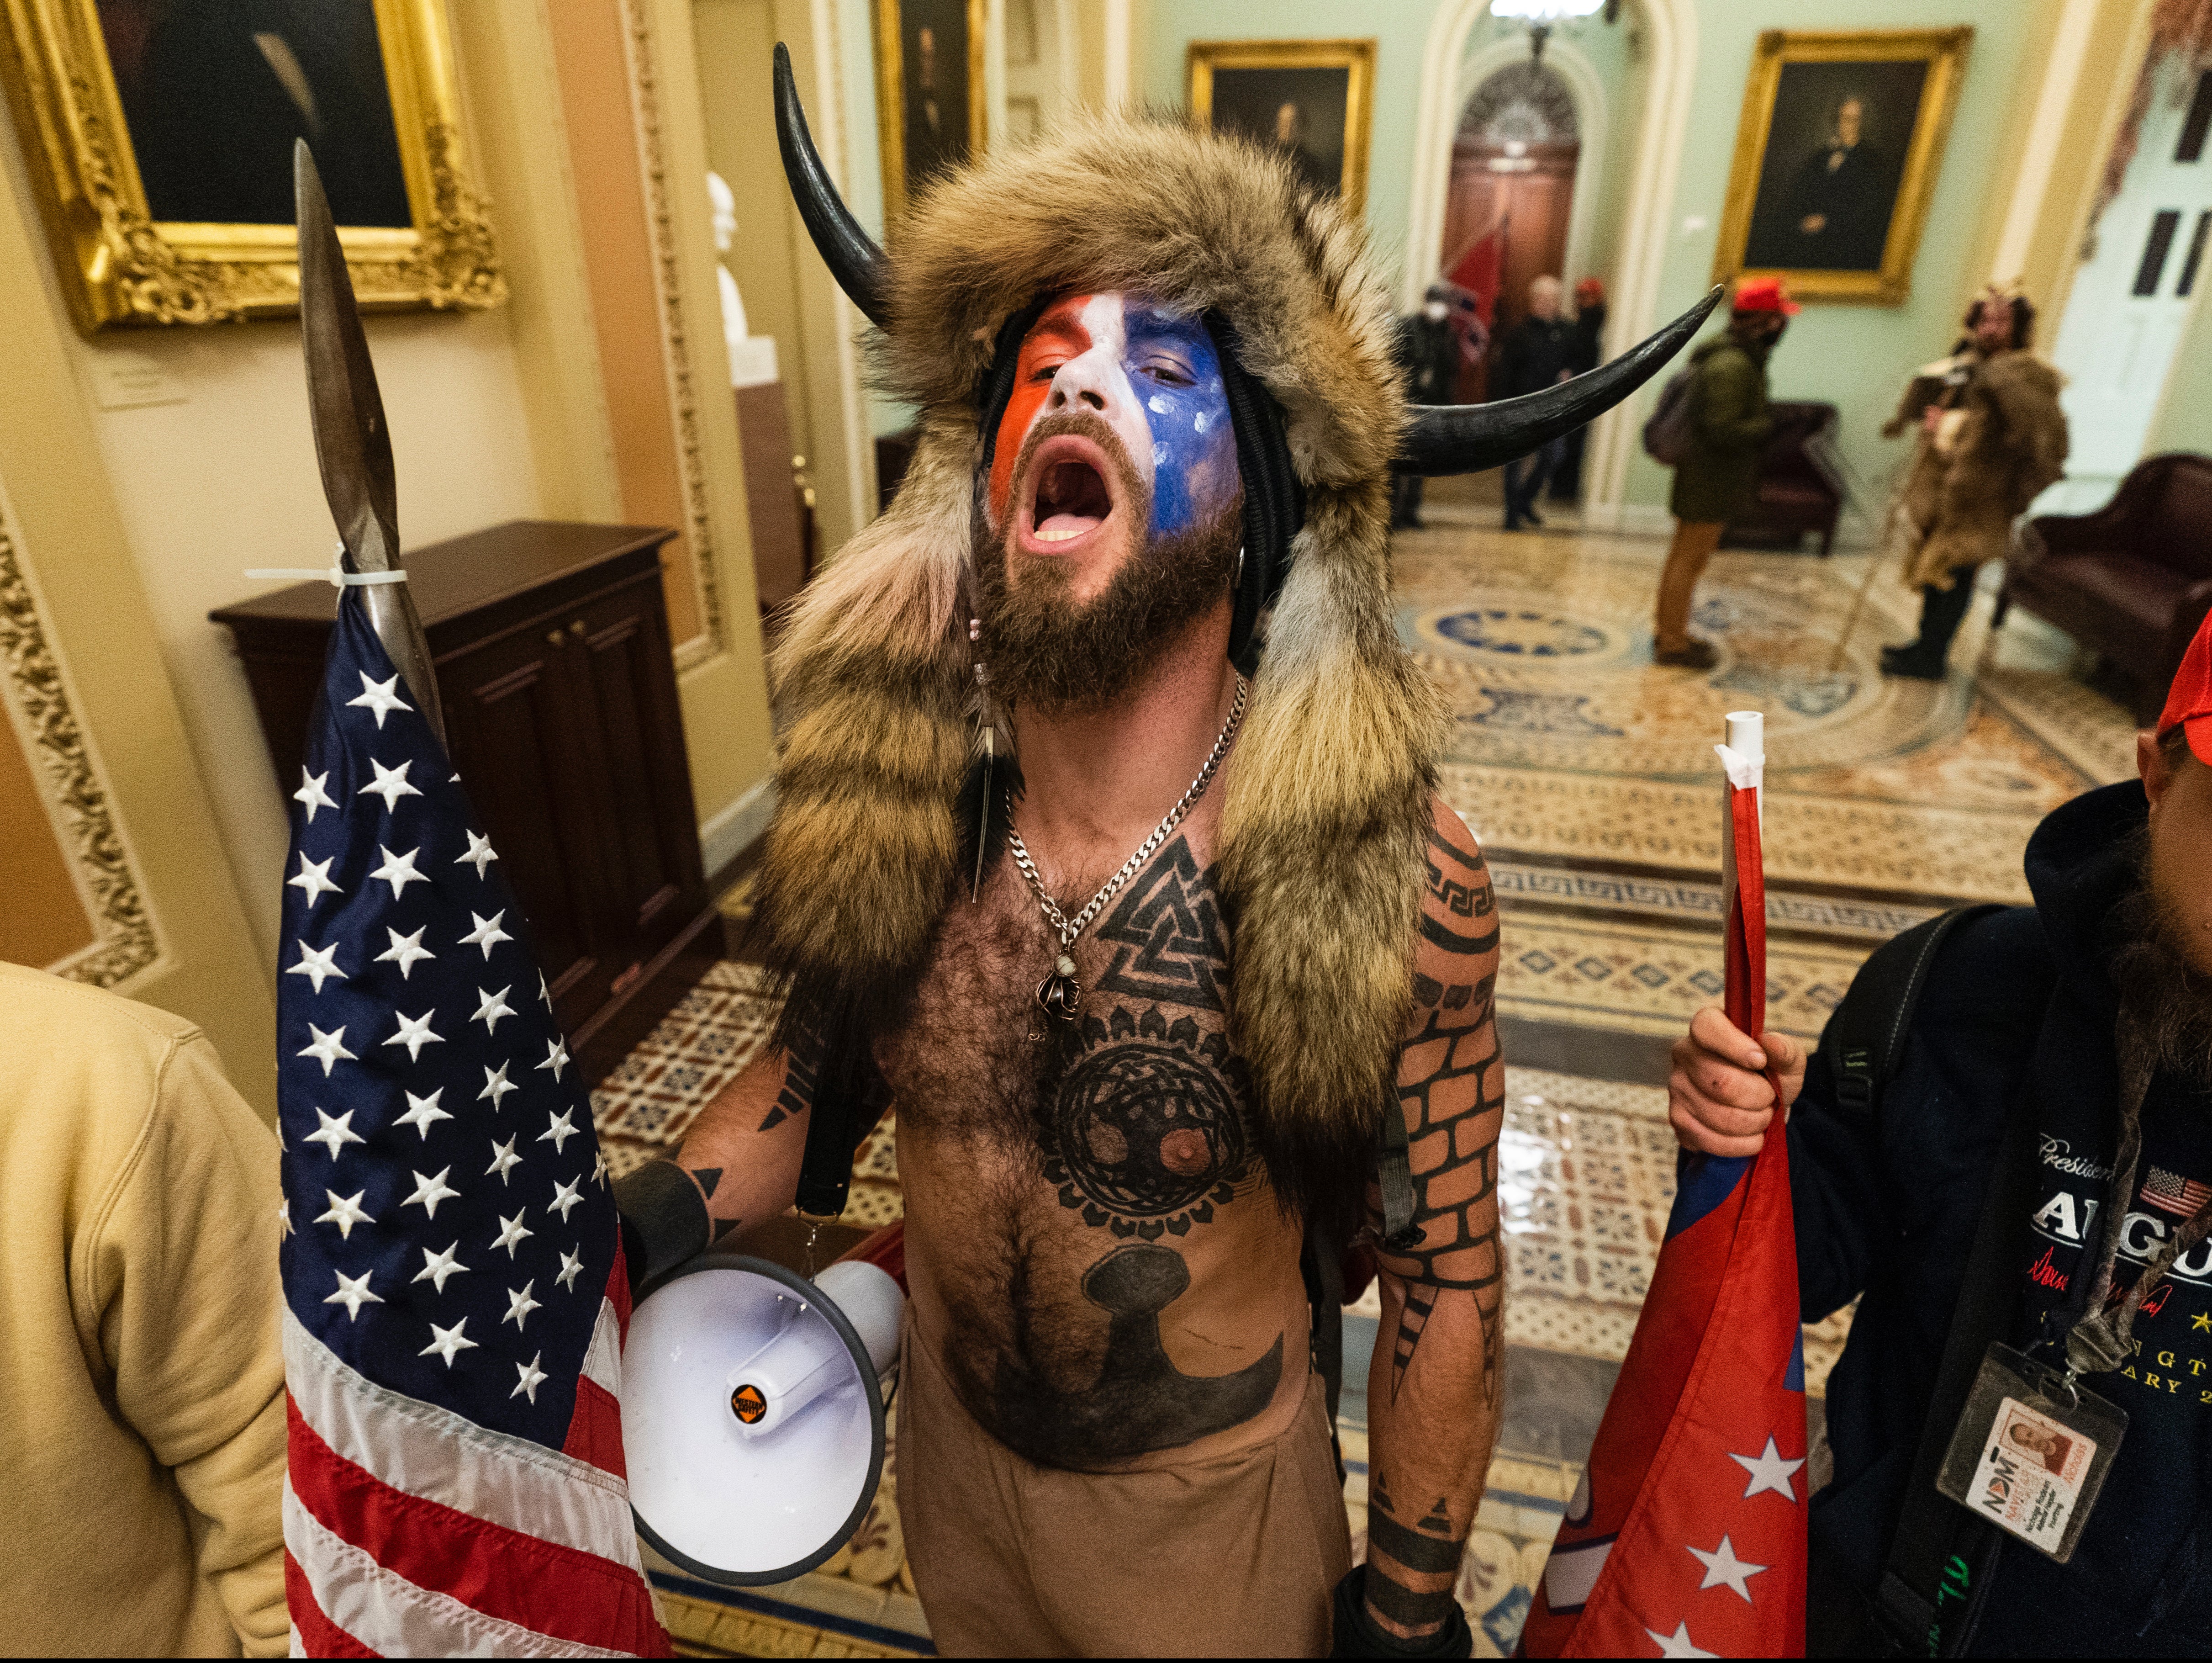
(1239, 82)
(893, 20)
(1840, 220)
(120, 266)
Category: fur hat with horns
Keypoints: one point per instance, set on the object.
(1327, 794)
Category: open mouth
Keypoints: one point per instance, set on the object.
(1069, 496)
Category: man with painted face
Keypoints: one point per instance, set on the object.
(1107, 851)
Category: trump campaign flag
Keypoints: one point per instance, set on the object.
(452, 1267)
(1686, 1536)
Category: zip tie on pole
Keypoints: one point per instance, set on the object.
(335, 574)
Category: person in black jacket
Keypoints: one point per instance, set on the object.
(1539, 352)
(1589, 325)
(2084, 1021)
(1427, 352)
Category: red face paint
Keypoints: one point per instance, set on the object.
(1055, 337)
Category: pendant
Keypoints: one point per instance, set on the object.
(1060, 994)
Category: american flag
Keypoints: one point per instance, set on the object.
(2174, 1193)
(452, 1267)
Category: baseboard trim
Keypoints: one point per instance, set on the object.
(727, 834)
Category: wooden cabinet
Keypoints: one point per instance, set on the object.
(554, 664)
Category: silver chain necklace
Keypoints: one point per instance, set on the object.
(1060, 994)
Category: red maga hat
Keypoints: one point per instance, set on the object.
(2189, 702)
(1763, 295)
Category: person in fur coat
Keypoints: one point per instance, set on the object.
(1992, 435)
(1107, 853)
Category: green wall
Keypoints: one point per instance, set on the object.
(1854, 356)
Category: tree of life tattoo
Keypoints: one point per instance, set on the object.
(1146, 1134)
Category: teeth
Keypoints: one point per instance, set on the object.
(1058, 536)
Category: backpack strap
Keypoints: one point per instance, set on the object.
(1870, 1027)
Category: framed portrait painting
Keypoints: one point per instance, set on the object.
(931, 106)
(1836, 158)
(159, 135)
(1312, 100)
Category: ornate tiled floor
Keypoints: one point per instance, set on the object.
(1589, 773)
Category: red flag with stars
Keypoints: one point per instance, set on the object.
(1686, 1536)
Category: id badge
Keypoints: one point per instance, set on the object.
(2031, 1452)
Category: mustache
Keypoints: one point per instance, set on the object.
(1089, 425)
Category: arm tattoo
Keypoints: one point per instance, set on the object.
(802, 1074)
(1451, 1090)
(1429, 1548)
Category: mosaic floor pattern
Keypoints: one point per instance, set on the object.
(1586, 1177)
(1589, 772)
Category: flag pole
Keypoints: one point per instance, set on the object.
(1743, 878)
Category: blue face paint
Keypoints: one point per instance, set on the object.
(1176, 374)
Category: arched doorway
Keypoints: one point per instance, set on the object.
(1512, 193)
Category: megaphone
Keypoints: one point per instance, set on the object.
(752, 1413)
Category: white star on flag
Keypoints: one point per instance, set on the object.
(571, 1266)
(334, 1132)
(559, 1131)
(398, 870)
(532, 1378)
(544, 992)
(284, 1221)
(422, 1111)
(1724, 1570)
(344, 1212)
(519, 1306)
(447, 1341)
(415, 1033)
(1768, 1471)
(600, 1168)
(1677, 1644)
(496, 1085)
(436, 1267)
(429, 1191)
(502, 1157)
(318, 964)
(494, 1007)
(390, 783)
(404, 949)
(313, 877)
(479, 855)
(353, 1294)
(487, 933)
(557, 1056)
(378, 696)
(328, 1048)
(511, 1233)
(311, 793)
(564, 1197)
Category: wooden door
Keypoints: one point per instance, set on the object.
(1525, 193)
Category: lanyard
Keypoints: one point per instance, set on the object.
(2098, 1335)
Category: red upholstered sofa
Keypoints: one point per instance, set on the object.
(2131, 581)
(1798, 492)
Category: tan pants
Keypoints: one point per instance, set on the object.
(1694, 545)
(1234, 1557)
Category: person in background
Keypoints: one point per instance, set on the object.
(1537, 352)
(142, 1378)
(1714, 481)
(1427, 351)
(1590, 347)
(1992, 435)
(2049, 1045)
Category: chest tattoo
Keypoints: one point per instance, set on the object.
(1167, 937)
(1146, 1133)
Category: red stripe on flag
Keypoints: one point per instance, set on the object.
(618, 1288)
(524, 1579)
(595, 1430)
(318, 1635)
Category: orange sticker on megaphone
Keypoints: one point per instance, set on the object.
(748, 1404)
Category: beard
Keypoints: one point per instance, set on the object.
(2169, 998)
(1041, 647)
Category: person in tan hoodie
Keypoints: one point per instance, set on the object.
(141, 1384)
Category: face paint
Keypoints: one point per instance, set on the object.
(1151, 375)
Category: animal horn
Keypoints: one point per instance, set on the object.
(1467, 438)
(850, 253)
